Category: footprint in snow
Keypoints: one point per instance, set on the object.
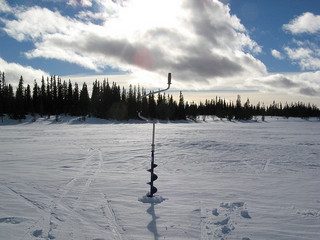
(222, 222)
(232, 205)
(245, 214)
(37, 233)
(215, 212)
(226, 229)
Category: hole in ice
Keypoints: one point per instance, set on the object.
(155, 199)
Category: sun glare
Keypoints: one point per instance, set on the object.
(139, 16)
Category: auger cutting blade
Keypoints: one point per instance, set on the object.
(154, 177)
(154, 190)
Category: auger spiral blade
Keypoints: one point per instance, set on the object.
(153, 191)
(154, 177)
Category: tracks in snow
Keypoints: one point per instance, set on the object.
(110, 215)
(59, 213)
(56, 205)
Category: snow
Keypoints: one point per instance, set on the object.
(220, 180)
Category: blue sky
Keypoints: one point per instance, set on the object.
(264, 21)
(269, 46)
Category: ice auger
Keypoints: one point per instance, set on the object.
(153, 176)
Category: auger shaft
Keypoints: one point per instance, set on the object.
(153, 176)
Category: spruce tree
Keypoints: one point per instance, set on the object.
(152, 107)
(75, 100)
(181, 114)
(95, 99)
(19, 109)
(84, 101)
(36, 98)
(28, 100)
(69, 100)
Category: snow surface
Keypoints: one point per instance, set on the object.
(220, 180)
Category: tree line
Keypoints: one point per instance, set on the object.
(238, 111)
(109, 101)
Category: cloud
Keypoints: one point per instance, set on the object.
(4, 7)
(82, 3)
(197, 40)
(305, 23)
(36, 23)
(276, 54)
(306, 83)
(13, 71)
(279, 81)
(304, 53)
(309, 91)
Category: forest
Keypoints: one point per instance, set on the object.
(111, 101)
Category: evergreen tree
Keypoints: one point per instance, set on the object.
(69, 100)
(144, 109)
(19, 109)
(64, 107)
(10, 100)
(43, 98)
(181, 114)
(35, 98)
(75, 100)
(247, 109)
(49, 107)
(84, 101)
(152, 107)
(238, 109)
(172, 108)
(95, 99)
(132, 102)
(28, 100)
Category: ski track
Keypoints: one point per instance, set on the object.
(69, 186)
(112, 219)
(89, 180)
(44, 225)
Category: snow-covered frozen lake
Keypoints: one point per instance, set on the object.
(221, 180)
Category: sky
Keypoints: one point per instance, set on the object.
(266, 50)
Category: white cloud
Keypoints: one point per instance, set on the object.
(82, 3)
(305, 54)
(276, 54)
(197, 41)
(4, 7)
(13, 71)
(305, 23)
(36, 23)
